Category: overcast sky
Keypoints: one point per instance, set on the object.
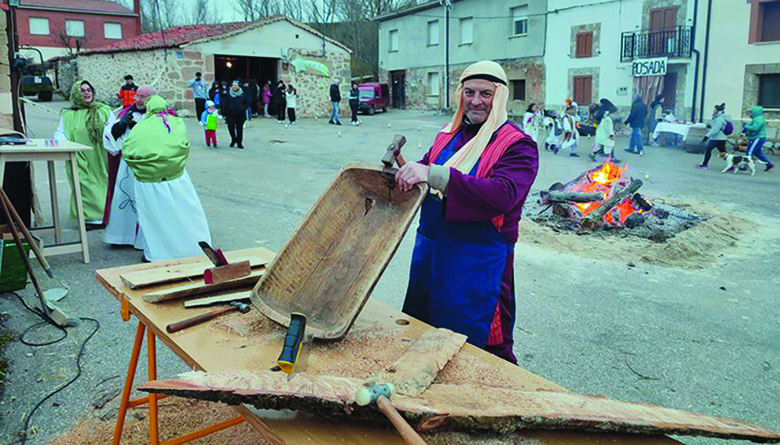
(227, 12)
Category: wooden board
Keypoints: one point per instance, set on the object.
(379, 336)
(421, 363)
(235, 296)
(200, 288)
(332, 262)
(466, 407)
(181, 272)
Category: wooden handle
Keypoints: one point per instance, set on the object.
(399, 159)
(408, 434)
(179, 325)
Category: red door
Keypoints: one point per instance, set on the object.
(583, 87)
(663, 24)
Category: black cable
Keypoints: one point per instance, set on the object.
(40, 314)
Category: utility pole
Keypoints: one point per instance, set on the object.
(447, 7)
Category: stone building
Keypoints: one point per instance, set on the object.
(413, 43)
(266, 50)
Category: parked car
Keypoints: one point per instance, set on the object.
(373, 96)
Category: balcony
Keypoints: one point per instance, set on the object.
(672, 42)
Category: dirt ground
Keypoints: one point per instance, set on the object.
(690, 324)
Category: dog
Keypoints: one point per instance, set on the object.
(738, 162)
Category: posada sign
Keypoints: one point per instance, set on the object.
(649, 67)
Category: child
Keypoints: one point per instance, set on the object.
(553, 127)
(291, 96)
(570, 134)
(756, 133)
(605, 132)
(209, 121)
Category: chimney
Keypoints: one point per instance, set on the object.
(137, 10)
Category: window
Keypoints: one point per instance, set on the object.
(112, 30)
(433, 32)
(583, 87)
(39, 26)
(433, 84)
(770, 22)
(393, 40)
(769, 90)
(74, 28)
(520, 20)
(518, 89)
(466, 31)
(584, 47)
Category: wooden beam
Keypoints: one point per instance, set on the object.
(464, 407)
(227, 298)
(596, 218)
(418, 367)
(199, 288)
(161, 275)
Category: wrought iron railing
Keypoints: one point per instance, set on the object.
(672, 42)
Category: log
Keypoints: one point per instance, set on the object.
(227, 298)
(420, 364)
(596, 218)
(199, 288)
(181, 272)
(561, 196)
(460, 407)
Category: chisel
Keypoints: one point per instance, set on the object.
(292, 344)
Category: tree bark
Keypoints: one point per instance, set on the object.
(596, 218)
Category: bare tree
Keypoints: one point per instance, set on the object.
(200, 12)
(256, 9)
(71, 43)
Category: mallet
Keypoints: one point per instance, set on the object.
(380, 393)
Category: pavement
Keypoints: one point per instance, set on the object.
(703, 340)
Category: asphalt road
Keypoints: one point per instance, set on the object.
(593, 326)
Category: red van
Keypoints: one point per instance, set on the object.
(373, 97)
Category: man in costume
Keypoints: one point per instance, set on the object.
(83, 123)
(482, 165)
(121, 214)
(171, 220)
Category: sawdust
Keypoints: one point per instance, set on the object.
(695, 248)
(364, 352)
(177, 417)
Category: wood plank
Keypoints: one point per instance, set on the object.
(179, 272)
(459, 407)
(418, 367)
(235, 296)
(200, 288)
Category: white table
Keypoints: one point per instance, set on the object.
(671, 127)
(38, 150)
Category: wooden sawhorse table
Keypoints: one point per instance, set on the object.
(37, 150)
(207, 348)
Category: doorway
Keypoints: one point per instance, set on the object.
(259, 69)
(670, 91)
(398, 81)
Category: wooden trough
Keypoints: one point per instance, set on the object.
(332, 262)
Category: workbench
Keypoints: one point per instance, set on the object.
(38, 150)
(375, 341)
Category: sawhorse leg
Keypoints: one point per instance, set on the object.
(152, 399)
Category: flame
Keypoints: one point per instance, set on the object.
(602, 180)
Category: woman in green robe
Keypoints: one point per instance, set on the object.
(83, 123)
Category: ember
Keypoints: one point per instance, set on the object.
(598, 197)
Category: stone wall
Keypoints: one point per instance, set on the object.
(64, 73)
(314, 89)
(417, 91)
(6, 100)
(750, 91)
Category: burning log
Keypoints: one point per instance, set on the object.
(559, 196)
(596, 218)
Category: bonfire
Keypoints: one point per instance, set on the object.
(602, 197)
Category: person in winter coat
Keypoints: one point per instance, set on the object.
(234, 108)
(335, 98)
(605, 132)
(756, 133)
(292, 98)
(716, 136)
(209, 121)
(280, 101)
(636, 120)
(531, 121)
(354, 102)
(247, 88)
(266, 98)
(655, 116)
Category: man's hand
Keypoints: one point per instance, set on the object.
(410, 174)
(704, 141)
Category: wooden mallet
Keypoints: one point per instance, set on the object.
(380, 393)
